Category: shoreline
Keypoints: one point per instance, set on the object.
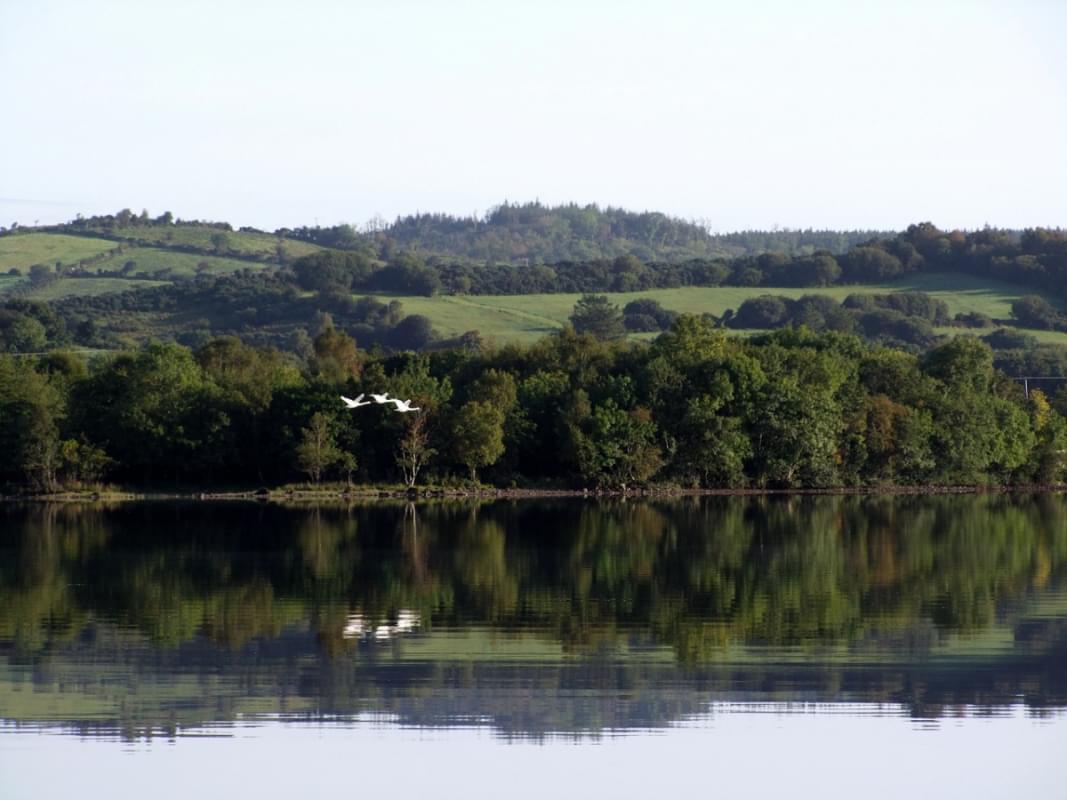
(363, 494)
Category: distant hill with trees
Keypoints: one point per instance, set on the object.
(533, 233)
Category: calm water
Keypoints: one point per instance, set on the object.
(743, 646)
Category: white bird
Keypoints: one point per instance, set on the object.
(355, 626)
(355, 403)
(381, 398)
(404, 405)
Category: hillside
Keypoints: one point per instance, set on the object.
(64, 265)
(525, 318)
(22, 251)
(532, 233)
(119, 281)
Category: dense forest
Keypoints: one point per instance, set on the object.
(789, 409)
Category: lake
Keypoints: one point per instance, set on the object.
(743, 646)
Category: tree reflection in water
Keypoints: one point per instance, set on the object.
(541, 615)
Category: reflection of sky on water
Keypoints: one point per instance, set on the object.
(736, 751)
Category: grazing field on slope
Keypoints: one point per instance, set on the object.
(89, 287)
(152, 260)
(528, 317)
(200, 236)
(9, 282)
(25, 250)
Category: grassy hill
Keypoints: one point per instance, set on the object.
(241, 243)
(9, 282)
(88, 287)
(153, 260)
(22, 251)
(525, 318)
(95, 254)
(117, 253)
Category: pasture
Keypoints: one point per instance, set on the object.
(88, 287)
(22, 251)
(9, 282)
(525, 318)
(154, 260)
(200, 236)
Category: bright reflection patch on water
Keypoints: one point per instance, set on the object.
(737, 751)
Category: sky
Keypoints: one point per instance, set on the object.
(741, 115)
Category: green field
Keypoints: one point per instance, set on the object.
(9, 282)
(25, 250)
(200, 236)
(528, 317)
(89, 287)
(152, 260)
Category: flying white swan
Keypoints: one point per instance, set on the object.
(355, 403)
(403, 406)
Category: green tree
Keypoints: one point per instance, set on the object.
(31, 411)
(221, 242)
(617, 448)
(413, 450)
(21, 333)
(595, 314)
(152, 411)
(478, 436)
(318, 450)
(82, 462)
(336, 356)
(964, 363)
(712, 449)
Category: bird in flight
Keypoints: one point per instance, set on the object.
(404, 405)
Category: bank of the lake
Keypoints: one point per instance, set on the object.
(332, 493)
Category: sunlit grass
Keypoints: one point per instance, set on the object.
(525, 318)
(151, 260)
(89, 287)
(200, 236)
(25, 250)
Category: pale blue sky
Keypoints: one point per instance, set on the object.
(745, 114)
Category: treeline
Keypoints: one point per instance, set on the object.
(904, 319)
(125, 220)
(1036, 258)
(786, 409)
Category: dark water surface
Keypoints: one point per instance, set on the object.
(830, 646)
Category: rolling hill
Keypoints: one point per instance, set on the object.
(525, 318)
(532, 233)
(22, 251)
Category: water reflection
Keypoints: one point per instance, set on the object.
(534, 617)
